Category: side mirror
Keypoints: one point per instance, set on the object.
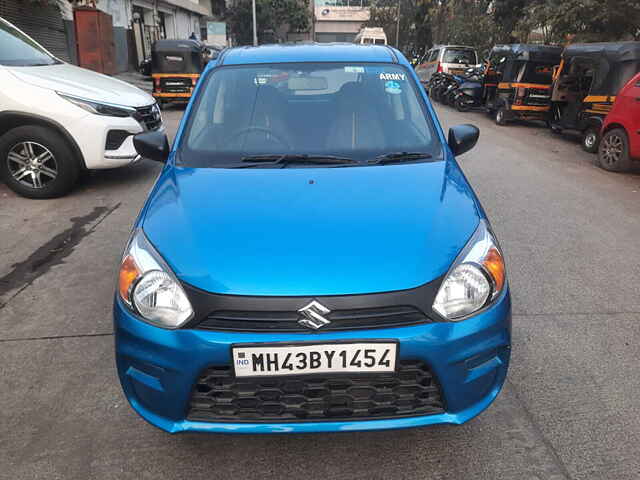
(152, 145)
(463, 138)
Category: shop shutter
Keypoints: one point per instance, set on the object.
(41, 22)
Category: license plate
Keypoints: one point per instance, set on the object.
(270, 360)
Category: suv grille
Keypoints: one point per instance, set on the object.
(411, 391)
(274, 321)
(149, 116)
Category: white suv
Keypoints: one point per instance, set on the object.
(57, 119)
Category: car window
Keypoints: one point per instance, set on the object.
(16, 49)
(358, 111)
(434, 55)
(459, 55)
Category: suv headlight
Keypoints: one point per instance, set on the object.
(148, 287)
(100, 108)
(475, 279)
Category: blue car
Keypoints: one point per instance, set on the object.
(311, 258)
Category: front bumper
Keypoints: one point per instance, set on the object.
(158, 367)
(91, 134)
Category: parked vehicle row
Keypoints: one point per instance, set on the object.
(572, 89)
(586, 84)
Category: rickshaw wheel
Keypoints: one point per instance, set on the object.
(501, 116)
(591, 140)
(613, 153)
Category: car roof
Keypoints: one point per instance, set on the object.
(452, 46)
(310, 52)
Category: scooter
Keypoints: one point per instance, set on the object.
(436, 85)
(449, 95)
(470, 93)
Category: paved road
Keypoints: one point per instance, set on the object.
(570, 408)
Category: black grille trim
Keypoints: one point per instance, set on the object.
(275, 321)
(397, 308)
(411, 391)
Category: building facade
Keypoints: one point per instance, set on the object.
(136, 24)
(339, 20)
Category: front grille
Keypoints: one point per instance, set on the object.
(287, 321)
(410, 391)
(149, 117)
(176, 85)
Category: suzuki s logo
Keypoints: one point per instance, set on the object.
(314, 315)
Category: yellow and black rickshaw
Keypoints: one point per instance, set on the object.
(518, 81)
(176, 66)
(586, 84)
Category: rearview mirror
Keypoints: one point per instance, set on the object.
(152, 145)
(463, 138)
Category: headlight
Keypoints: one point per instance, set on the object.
(99, 108)
(148, 287)
(476, 278)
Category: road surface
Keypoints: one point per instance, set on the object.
(569, 410)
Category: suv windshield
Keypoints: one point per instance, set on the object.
(459, 56)
(18, 50)
(352, 111)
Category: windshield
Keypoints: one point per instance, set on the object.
(353, 111)
(459, 56)
(18, 50)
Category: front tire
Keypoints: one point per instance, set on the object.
(613, 153)
(591, 140)
(461, 105)
(37, 162)
(501, 116)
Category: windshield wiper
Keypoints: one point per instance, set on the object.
(284, 159)
(397, 157)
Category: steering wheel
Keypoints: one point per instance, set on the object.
(268, 131)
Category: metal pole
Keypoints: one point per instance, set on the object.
(398, 28)
(313, 20)
(255, 30)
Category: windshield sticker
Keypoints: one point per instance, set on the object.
(392, 87)
(350, 69)
(393, 76)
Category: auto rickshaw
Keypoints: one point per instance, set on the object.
(586, 83)
(518, 81)
(176, 67)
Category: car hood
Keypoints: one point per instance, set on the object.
(72, 80)
(311, 231)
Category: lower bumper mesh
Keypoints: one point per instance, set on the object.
(410, 391)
